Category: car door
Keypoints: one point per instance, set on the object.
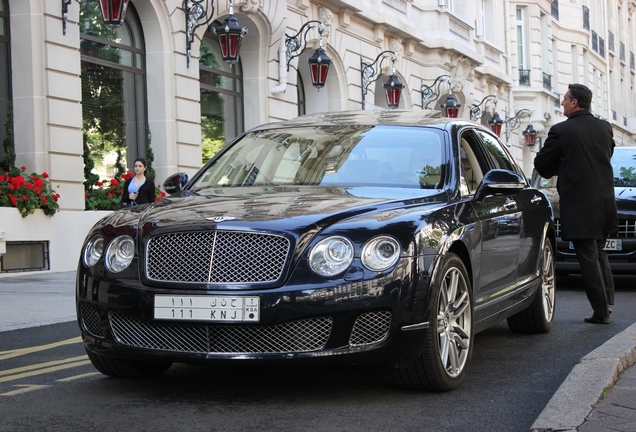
(529, 209)
(499, 219)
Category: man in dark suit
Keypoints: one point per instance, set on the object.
(578, 150)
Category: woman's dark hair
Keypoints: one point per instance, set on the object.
(142, 160)
(582, 94)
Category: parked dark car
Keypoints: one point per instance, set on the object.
(382, 237)
(621, 249)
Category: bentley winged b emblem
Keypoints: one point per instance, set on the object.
(219, 219)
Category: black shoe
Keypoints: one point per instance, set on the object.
(597, 320)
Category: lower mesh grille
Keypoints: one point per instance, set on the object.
(370, 328)
(90, 320)
(297, 336)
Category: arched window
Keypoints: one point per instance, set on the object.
(221, 97)
(113, 90)
(5, 70)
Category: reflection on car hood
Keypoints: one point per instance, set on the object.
(258, 207)
(626, 199)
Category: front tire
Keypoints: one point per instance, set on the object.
(539, 316)
(448, 342)
(120, 368)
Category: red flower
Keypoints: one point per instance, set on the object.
(37, 191)
(114, 182)
(23, 168)
(25, 198)
(1, 179)
(45, 175)
(85, 196)
(43, 199)
(99, 184)
(30, 186)
(57, 196)
(14, 200)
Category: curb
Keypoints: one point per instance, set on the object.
(583, 388)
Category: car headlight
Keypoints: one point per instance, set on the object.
(93, 251)
(331, 256)
(380, 253)
(120, 253)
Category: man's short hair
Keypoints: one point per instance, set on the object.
(582, 94)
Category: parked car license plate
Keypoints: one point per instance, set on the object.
(208, 308)
(610, 245)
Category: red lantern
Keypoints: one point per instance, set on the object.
(319, 67)
(530, 135)
(495, 124)
(393, 89)
(113, 11)
(230, 37)
(450, 107)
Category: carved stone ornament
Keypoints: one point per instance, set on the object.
(325, 15)
(251, 6)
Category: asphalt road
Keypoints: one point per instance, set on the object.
(511, 379)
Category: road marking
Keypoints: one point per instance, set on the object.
(23, 351)
(42, 368)
(25, 388)
(74, 377)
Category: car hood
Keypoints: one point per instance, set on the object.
(271, 208)
(626, 199)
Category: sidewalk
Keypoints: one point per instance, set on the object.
(49, 298)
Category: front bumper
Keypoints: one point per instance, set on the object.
(342, 321)
(621, 262)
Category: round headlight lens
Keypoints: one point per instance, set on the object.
(331, 256)
(380, 253)
(120, 253)
(93, 250)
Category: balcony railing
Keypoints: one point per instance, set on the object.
(547, 81)
(524, 77)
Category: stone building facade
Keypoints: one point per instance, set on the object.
(514, 56)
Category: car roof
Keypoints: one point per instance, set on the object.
(393, 117)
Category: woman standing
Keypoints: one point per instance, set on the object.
(139, 189)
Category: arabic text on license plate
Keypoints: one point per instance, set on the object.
(610, 245)
(208, 308)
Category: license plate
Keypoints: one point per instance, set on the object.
(208, 308)
(610, 245)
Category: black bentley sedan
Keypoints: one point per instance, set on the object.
(621, 249)
(386, 237)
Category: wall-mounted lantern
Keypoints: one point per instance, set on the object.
(113, 12)
(512, 123)
(319, 62)
(392, 88)
(230, 36)
(450, 107)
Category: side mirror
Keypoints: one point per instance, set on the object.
(175, 183)
(499, 182)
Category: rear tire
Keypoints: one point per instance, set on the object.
(448, 342)
(539, 316)
(119, 368)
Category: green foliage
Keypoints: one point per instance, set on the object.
(106, 195)
(8, 160)
(28, 193)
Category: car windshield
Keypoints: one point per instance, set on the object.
(391, 156)
(624, 166)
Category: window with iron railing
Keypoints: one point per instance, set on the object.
(547, 81)
(610, 41)
(554, 9)
(594, 41)
(524, 77)
(622, 51)
(586, 18)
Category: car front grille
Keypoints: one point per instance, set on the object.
(296, 336)
(370, 328)
(626, 228)
(216, 257)
(90, 320)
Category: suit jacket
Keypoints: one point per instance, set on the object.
(578, 150)
(146, 192)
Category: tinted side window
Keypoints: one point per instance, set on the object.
(498, 154)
